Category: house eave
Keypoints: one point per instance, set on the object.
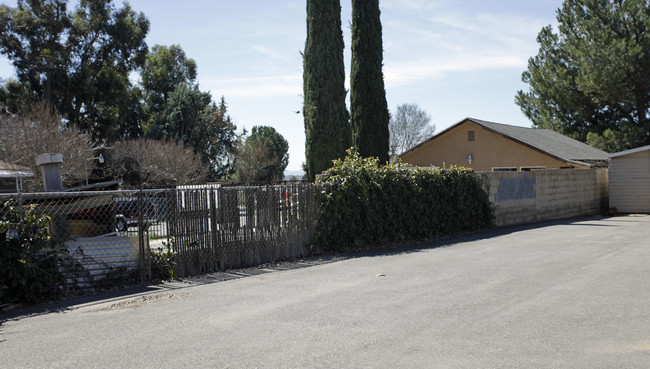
(629, 152)
(5, 173)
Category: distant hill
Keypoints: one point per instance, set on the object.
(293, 173)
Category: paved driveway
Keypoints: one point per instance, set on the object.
(572, 294)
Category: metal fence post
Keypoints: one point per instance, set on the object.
(145, 259)
(20, 204)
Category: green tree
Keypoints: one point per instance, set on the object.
(190, 116)
(165, 68)
(591, 80)
(12, 96)
(368, 106)
(263, 156)
(327, 127)
(78, 60)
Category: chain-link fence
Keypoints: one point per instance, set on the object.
(201, 229)
(106, 232)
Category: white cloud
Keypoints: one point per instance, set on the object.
(271, 86)
(415, 5)
(270, 53)
(509, 29)
(419, 71)
(437, 46)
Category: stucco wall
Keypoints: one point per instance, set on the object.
(526, 197)
(488, 150)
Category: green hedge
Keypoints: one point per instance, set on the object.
(363, 203)
(31, 262)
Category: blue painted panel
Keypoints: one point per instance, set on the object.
(516, 188)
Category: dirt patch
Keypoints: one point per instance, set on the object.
(141, 301)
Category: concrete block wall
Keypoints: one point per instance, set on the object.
(527, 197)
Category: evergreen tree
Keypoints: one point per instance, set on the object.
(191, 117)
(327, 127)
(591, 78)
(165, 68)
(262, 157)
(368, 106)
(78, 61)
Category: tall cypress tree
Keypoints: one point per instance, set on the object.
(368, 107)
(327, 127)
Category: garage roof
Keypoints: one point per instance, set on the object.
(628, 152)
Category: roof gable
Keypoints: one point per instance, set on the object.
(543, 140)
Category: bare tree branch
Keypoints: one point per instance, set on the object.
(408, 127)
(156, 163)
(251, 160)
(39, 129)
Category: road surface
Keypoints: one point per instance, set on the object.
(569, 294)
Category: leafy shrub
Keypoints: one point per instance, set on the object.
(163, 263)
(365, 203)
(31, 263)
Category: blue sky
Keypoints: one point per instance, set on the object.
(455, 59)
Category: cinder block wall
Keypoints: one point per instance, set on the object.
(526, 197)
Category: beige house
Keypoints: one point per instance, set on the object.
(629, 180)
(487, 146)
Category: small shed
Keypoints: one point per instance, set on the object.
(629, 180)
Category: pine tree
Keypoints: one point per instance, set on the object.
(591, 77)
(368, 106)
(327, 127)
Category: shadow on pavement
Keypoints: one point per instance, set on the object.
(409, 247)
(391, 249)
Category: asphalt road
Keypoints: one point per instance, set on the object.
(573, 294)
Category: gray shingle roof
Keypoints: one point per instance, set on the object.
(548, 141)
(544, 140)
